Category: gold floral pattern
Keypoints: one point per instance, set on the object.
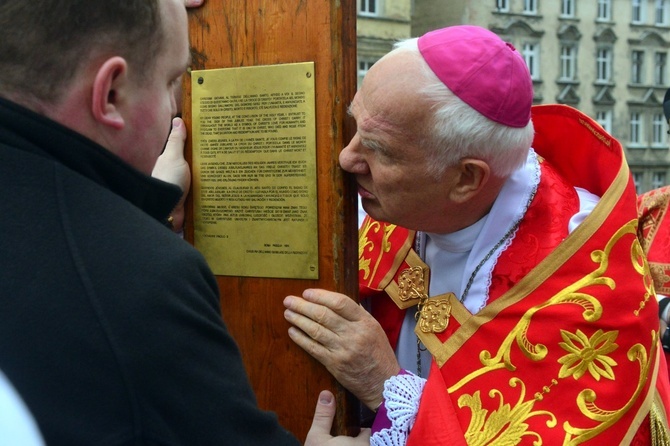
(606, 418)
(585, 353)
(506, 425)
(588, 354)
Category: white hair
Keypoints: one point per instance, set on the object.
(459, 131)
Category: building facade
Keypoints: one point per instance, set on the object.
(608, 58)
(380, 23)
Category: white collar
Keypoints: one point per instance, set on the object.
(508, 209)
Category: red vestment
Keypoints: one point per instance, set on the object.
(654, 235)
(566, 351)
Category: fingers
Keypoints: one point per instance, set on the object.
(308, 316)
(174, 148)
(355, 351)
(173, 168)
(171, 165)
(328, 322)
(315, 339)
(311, 346)
(339, 304)
(320, 328)
(322, 422)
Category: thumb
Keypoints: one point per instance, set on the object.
(174, 148)
(171, 165)
(319, 432)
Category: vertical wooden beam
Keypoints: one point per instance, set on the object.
(232, 33)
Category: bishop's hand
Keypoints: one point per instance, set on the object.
(346, 339)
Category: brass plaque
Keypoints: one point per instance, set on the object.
(254, 170)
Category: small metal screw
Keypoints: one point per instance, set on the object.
(200, 80)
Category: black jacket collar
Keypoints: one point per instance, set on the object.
(29, 131)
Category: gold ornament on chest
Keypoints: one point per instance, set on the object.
(433, 314)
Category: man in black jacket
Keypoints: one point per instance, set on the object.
(109, 323)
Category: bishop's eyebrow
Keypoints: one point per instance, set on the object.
(372, 144)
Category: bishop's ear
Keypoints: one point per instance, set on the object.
(108, 87)
(473, 174)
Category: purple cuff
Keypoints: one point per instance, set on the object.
(382, 420)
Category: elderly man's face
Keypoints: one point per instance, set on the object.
(390, 166)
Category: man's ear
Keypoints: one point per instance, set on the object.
(473, 174)
(107, 88)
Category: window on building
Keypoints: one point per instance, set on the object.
(530, 6)
(658, 179)
(662, 13)
(502, 5)
(637, 180)
(637, 65)
(568, 63)
(660, 67)
(604, 65)
(363, 66)
(658, 130)
(531, 54)
(638, 11)
(568, 8)
(604, 10)
(636, 129)
(604, 118)
(369, 7)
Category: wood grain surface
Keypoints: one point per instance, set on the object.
(238, 33)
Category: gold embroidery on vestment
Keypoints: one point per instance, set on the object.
(412, 284)
(660, 434)
(586, 401)
(506, 424)
(588, 354)
(364, 244)
(570, 295)
(639, 261)
(434, 314)
(539, 396)
(412, 288)
(585, 353)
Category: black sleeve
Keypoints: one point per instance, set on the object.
(188, 376)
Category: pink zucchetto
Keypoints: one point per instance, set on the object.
(481, 69)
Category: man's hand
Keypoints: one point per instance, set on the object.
(319, 433)
(193, 3)
(346, 339)
(173, 168)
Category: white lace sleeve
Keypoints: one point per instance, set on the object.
(402, 394)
